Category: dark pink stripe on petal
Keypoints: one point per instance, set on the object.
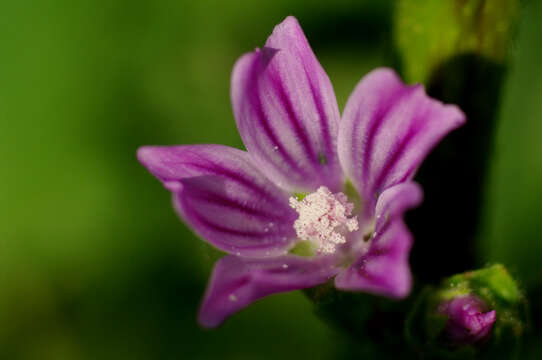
(330, 142)
(235, 231)
(227, 204)
(261, 118)
(221, 172)
(296, 124)
(395, 96)
(396, 151)
(287, 113)
(224, 197)
(387, 129)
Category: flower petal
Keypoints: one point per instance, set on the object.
(286, 111)
(222, 195)
(237, 282)
(387, 129)
(384, 268)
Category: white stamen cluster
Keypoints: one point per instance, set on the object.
(324, 218)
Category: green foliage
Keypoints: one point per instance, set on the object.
(511, 234)
(430, 32)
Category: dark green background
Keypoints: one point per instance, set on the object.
(94, 264)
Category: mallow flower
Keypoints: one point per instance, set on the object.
(317, 196)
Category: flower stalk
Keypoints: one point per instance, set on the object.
(461, 51)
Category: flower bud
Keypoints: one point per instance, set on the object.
(468, 320)
(478, 314)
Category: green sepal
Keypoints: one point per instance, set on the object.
(304, 248)
(353, 196)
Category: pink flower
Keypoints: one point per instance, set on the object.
(337, 186)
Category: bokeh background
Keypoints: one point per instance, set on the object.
(94, 264)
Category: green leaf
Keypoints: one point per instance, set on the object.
(427, 33)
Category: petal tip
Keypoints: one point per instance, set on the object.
(399, 288)
(458, 116)
(289, 23)
(286, 31)
(490, 318)
(145, 154)
(402, 289)
(383, 71)
(208, 322)
(382, 74)
(151, 157)
(417, 194)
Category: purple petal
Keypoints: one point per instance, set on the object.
(384, 268)
(286, 111)
(387, 129)
(237, 282)
(469, 322)
(222, 195)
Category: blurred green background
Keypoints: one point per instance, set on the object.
(94, 264)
